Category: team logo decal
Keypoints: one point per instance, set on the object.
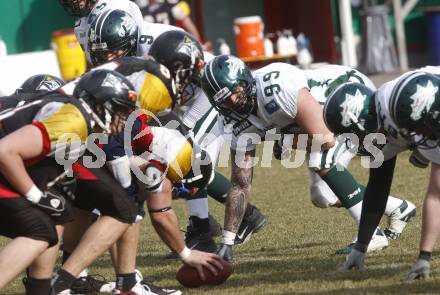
(423, 99)
(128, 26)
(113, 81)
(48, 84)
(352, 107)
(235, 66)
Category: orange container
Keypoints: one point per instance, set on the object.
(249, 36)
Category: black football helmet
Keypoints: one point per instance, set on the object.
(113, 30)
(40, 84)
(105, 93)
(182, 54)
(77, 8)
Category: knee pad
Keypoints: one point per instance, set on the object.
(322, 196)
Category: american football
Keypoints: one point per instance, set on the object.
(189, 277)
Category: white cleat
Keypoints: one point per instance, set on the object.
(378, 242)
(399, 218)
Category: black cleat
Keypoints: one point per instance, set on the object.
(91, 285)
(253, 221)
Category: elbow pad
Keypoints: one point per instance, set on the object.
(120, 168)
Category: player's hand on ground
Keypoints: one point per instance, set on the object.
(355, 260)
(420, 270)
(199, 260)
(225, 251)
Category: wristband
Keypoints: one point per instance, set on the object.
(184, 254)
(34, 194)
(228, 237)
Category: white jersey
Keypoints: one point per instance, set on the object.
(148, 32)
(395, 142)
(82, 25)
(277, 90)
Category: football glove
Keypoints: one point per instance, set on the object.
(225, 251)
(355, 260)
(420, 270)
(52, 203)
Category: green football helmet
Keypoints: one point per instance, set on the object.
(112, 32)
(351, 108)
(415, 108)
(221, 77)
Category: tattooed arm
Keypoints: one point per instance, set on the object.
(238, 196)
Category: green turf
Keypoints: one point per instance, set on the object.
(294, 254)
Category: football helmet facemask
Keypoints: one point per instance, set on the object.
(182, 54)
(108, 96)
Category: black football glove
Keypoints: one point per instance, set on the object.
(225, 251)
(52, 203)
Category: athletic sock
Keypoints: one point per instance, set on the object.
(125, 281)
(219, 187)
(62, 281)
(36, 286)
(344, 186)
(199, 206)
(66, 255)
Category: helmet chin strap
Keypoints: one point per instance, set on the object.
(95, 117)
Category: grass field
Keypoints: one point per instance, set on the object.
(294, 254)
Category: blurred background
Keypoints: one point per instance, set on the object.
(372, 35)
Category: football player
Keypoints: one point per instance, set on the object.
(88, 10)
(114, 33)
(30, 204)
(283, 97)
(405, 110)
(168, 12)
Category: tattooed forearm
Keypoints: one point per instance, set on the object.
(241, 178)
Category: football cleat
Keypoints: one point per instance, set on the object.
(399, 218)
(90, 284)
(147, 289)
(378, 242)
(253, 221)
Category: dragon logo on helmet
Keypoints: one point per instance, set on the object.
(423, 99)
(352, 107)
(236, 66)
(128, 26)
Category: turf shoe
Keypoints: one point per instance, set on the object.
(147, 289)
(91, 284)
(378, 242)
(253, 221)
(399, 218)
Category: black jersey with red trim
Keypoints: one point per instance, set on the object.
(55, 114)
(152, 81)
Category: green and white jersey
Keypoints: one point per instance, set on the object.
(148, 32)
(277, 90)
(82, 25)
(324, 80)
